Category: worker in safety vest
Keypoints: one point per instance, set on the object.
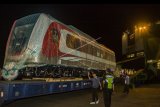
(108, 87)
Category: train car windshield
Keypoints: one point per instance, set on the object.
(20, 38)
(21, 34)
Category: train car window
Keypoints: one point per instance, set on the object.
(88, 49)
(113, 58)
(109, 57)
(83, 47)
(106, 55)
(70, 41)
(77, 43)
(80, 46)
(55, 35)
(101, 54)
(91, 50)
(98, 54)
(94, 51)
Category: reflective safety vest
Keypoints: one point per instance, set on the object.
(109, 81)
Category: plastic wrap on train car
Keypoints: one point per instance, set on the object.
(41, 46)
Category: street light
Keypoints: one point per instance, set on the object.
(144, 27)
(140, 28)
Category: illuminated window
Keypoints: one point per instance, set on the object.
(132, 55)
(140, 54)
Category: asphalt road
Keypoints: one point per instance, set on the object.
(144, 96)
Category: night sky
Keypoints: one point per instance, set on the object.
(107, 21)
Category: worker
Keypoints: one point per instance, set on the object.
(108, 87)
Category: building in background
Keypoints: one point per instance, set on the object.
(141, 49)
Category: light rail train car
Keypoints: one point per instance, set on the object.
(41, 46)
(44, 56)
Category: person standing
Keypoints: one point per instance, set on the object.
(108, 87)
(126, 84)
(95, 85)
(0, 74)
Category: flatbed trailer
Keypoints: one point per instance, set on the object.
(14, 90)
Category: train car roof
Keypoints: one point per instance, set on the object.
(79, 31)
